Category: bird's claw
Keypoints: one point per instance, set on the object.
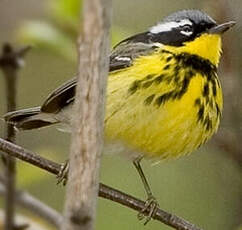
(63, 173)
(151, 205)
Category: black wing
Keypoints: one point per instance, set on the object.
(61, 97)
(121, 57)
(127, 50)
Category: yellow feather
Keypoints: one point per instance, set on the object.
(171, 129)
(207, 46)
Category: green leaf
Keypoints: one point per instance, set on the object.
(66, 12)
(46, 36)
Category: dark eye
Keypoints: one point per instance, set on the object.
(186, 30)
(203, 23)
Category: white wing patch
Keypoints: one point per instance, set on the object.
(168, 26)
(120, 58)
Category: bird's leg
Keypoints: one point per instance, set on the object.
(62, 175)
(151, 204)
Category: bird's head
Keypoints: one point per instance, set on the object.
(191, 31)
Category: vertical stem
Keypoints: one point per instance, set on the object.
(10, 173)
(86, 146)
(10, 62)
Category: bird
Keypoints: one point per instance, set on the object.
(164, 97)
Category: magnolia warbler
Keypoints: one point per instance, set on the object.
(164, 98)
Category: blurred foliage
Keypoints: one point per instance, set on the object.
(49, 37)
(59, 34)
(66, 12)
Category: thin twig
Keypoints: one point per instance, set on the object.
(10, 62)
(104, 190)
(25, 200)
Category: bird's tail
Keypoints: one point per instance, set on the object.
(31, 118)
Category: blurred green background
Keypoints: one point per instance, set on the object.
(204, 188)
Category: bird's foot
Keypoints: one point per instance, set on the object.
(63, 173)
(151, 205)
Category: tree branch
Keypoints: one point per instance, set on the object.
(104, 190)
(29, 202)
(88, 117)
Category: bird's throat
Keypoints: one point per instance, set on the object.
(207, 46)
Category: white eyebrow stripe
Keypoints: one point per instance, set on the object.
(168, 26)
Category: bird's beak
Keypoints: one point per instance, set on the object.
(220, 29)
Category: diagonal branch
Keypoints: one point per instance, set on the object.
(24, 199)
(104, 190)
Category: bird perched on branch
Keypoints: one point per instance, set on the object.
(164, 98)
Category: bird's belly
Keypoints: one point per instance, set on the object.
(175, 133)
(170, 130)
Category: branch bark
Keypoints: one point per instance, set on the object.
(87, 136)
(104, 190)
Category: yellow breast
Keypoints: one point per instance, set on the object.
(162, 108)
